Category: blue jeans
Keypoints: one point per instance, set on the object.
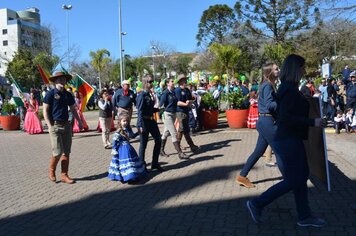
(266, 131)
(295, 175)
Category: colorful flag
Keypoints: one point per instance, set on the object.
(83, 88)
(17, 95)
(44, 74)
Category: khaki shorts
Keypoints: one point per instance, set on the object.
(61, 139)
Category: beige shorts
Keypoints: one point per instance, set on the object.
(61, 139)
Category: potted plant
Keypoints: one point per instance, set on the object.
(9, 120)
(237, 111)
(210, 112)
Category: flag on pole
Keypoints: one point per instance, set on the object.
(85, 89)
(17, 95)
(44, 74)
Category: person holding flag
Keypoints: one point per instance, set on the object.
(55, 112)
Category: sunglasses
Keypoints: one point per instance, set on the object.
(150, 81)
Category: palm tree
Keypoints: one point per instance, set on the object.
(227, 56)
(99, 61)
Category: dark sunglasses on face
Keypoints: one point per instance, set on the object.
(150, 81)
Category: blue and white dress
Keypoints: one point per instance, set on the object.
(125, 164)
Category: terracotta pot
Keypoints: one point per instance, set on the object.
(10, 122)
(237, 118)
(210, 119)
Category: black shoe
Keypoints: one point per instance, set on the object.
(254, 212)
(312, 221)
(157, 167)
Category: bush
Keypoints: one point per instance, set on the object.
(8, 109)
(209, 102)
(236, 100)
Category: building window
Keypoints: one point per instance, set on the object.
(4, 43)
(4, 31)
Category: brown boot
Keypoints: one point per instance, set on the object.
(65, 166)
(52, 168)
(181, 154)
(244, 181)
(162, 152)
(194, 148)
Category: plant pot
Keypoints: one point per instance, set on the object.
(210, 119)
(237, 118)
(10, 122)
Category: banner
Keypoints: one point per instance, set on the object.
(315, 146)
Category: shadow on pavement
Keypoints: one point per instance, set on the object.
(183, 206)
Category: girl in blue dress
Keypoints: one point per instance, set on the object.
(125, 165)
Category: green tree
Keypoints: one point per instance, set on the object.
(141, 64)
(215, 23)
(277, 52)
(47, 61)
(24, 70)
(100, 60)
(180, 64)
(227, 56)
(277, 19)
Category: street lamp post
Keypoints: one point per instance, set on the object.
(334, 38)
(153, 62)
(67, 8)
(122, 75)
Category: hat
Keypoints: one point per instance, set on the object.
(353, 74)
(60, 74)
(181, 77)
(125, 82)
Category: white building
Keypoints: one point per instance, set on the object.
(21, 29)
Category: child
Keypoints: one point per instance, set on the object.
(125, 165)
(350, 121)
(253, 112)
(339, 120)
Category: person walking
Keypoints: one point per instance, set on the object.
(266, 127)
(78, 105)
(124, 99)
(55, 112)
(292, 129)
(146, 123)
(105, 117)
(125, 165)
(32, 123)
(185, 101)
(169, 102)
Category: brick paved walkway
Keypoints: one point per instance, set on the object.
(195, 197)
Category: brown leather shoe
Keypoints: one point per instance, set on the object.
(244, 181)
(65, 166)
(65, 179)
(52, 168)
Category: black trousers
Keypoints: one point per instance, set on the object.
(150, 127)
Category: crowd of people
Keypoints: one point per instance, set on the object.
(278, 110)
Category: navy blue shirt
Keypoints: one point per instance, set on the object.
(58, 104)
(145, 107)
(183, 96)
(267, 103)
(119, 100)
(293, 113)
(169, 101)
(351, 93)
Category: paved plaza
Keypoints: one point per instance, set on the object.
(194, 197)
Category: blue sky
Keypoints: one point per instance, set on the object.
(95, 24)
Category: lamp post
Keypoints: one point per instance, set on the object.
(121, 48)
(165, 71)
(67, 8)
(153, 61)
(122, 55)
(334, 38)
